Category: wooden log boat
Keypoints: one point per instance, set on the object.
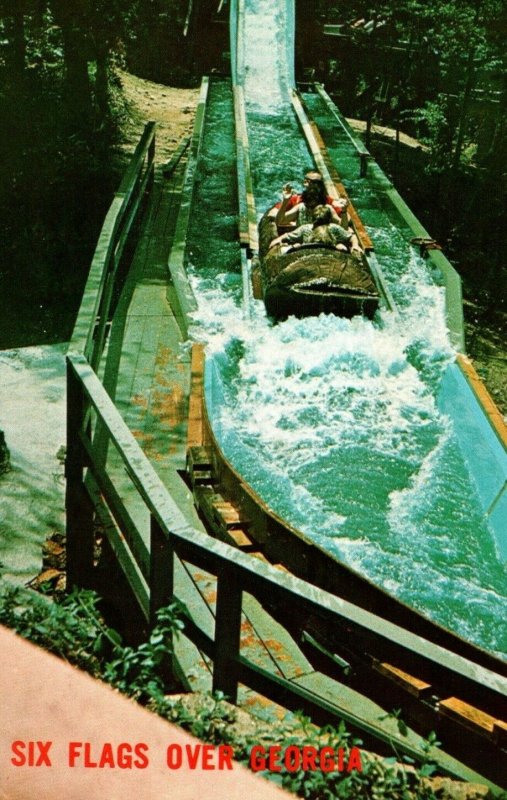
(313, 278)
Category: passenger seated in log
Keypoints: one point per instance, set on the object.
(295, 209)
(322, 230)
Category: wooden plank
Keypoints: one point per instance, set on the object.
(119, 513)
(240, 538)
(306, 694)
(362, 234)
(359, 146)
(82, 335)
(183, 293)
(283, 650)
(201, 477)
(412, 685)
(467, 715)
(486, 402)
(195, 430)
(169, 167)
(130, 570)
(198, 457)
(222, 516)
(248, 218)
(326, 167)
(228, 515)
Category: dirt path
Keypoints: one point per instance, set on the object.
(172, 109)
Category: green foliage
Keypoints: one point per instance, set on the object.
(69, 630)
(155, 46)
(74, 630)
(380, 778)
(434, 129)
(138, 672)
(212, 724)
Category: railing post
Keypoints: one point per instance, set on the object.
(78, 506)
(161, 570)
(162, 589)
(227, 636)
(149, 165)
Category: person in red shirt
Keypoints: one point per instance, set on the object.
(296, 209)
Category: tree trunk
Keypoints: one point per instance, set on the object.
(78, 89)
(15, 31)
(102, 84)
(463, 117)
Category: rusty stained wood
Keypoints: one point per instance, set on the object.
(412, 685)
(195, 417)
(470, 716)
(141, 472)
(485, 400)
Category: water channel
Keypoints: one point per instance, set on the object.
(334, 422)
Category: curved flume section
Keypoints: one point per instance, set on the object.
(335, 422)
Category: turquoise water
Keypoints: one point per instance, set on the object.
(333, 421)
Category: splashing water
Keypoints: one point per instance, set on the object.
(32, 415)
(334, 421)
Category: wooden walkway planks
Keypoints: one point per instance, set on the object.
(148, 372)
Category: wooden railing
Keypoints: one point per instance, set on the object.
(361, 149)
(90, 330)
(147, 554)
(184, 301)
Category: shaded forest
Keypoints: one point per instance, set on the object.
(436, 72)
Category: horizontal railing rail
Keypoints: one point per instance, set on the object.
(336, 189)
(89, 334)
(360, 148)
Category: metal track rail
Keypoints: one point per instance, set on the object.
(336, 189)
(247, 219)
(183, 297)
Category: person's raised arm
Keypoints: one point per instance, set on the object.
(286, 215)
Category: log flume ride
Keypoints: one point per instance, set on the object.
(313, 278)
(470, 714)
